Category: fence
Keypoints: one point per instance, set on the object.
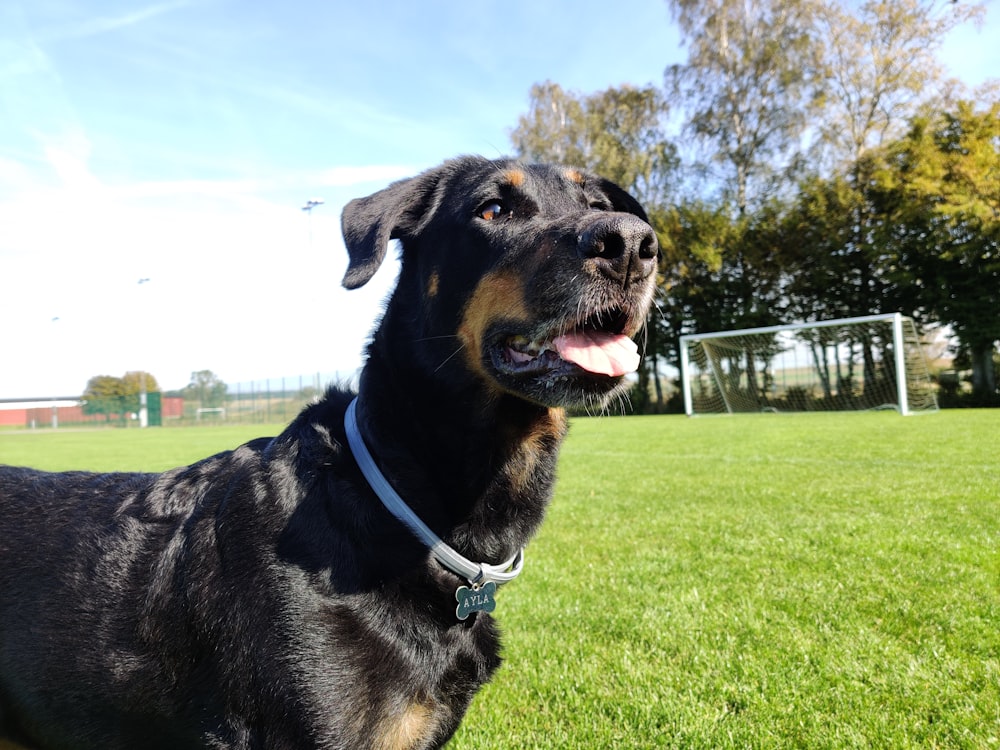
(267, 401)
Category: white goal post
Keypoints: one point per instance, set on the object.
(851, 364)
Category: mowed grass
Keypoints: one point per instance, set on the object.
(811, 581)
(129, 449)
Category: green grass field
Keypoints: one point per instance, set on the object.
(814, 581)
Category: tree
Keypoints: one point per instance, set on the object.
(134, 383)
(836, 268)
(629, 145)
(746, 88)
(940, 188)
(108, 395)
(555, 127)
(720, 272)
(207, 389)
(617, 133)
(104, 394)
(879, 67)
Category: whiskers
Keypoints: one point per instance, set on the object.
(618, 403)
(451, 356)
(623, 401)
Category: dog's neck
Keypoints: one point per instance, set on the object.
(473, 572)
(478, 468)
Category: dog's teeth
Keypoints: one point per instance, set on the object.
(519, 342)
(533, 348)
(537, 347)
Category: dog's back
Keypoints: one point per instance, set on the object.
(88, 608)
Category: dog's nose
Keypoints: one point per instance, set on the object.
(623, 246)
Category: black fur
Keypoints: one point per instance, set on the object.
(263, 597)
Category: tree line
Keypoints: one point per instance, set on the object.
(117, 398)
(809, 161)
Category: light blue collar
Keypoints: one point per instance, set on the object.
(475, 573)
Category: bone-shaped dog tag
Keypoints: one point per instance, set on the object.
(481, 598)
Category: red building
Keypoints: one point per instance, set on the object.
(57, 412)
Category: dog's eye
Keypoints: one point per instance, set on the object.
(492, 210)
(599, 205)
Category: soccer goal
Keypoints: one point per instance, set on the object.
(852, 364)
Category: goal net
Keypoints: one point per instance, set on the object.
(853, 364)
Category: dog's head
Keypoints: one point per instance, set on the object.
(532, 279)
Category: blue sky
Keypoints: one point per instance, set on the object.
(177, 141)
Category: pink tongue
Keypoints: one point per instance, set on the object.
(603, 353)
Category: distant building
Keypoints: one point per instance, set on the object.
(63, 412)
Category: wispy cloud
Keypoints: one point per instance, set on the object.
(21, 57)
(106, 24)
(68, 157)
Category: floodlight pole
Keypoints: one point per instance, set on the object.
(55, 409)
(143, 396)
(308, 208)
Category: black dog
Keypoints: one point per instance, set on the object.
(266, 597)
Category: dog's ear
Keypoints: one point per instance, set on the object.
(370, 223)
(621, 200)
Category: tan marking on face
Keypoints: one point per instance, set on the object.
(514, 177)
(406, 730)
(574, 175)
(432, 285)
(499, 295)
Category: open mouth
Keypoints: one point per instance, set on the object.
(598, 346)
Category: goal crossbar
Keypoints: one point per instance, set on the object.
(791, 326)
(736, 370)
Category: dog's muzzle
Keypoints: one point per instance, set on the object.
(591, 303)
